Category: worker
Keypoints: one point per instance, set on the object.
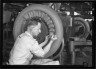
(26, 46)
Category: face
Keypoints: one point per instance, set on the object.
(36, 30)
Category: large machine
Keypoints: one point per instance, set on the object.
(54, 20)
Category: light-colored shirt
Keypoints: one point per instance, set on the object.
(23, 50)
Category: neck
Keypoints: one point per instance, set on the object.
(30, 33)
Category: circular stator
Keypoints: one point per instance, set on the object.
(50, 24)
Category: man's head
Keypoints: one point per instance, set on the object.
(33, 27)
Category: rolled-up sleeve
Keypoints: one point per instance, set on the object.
(37, 50)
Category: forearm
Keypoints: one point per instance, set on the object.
(42, 44)
(47, 48)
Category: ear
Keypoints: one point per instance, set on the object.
(30, 28)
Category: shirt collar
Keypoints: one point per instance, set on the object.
(28, 34)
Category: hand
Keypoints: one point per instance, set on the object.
(54, 37)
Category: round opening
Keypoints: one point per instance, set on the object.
(47, 25)
(79, 29)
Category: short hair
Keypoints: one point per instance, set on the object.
(30, 22)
